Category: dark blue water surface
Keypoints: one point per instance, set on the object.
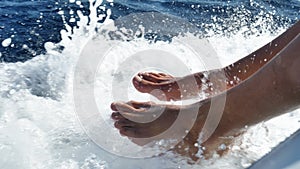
(34, 22)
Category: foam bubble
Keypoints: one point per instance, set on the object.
(39, 129)
(6, 42)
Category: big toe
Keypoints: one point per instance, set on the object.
(142, 85)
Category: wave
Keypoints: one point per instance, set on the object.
(38, 122)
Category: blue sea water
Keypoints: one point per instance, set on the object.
(40, 41)
(32, 23)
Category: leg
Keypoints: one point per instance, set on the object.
(273, 90)
(235, 73)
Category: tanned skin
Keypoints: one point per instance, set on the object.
(270, 87)
(235, 73)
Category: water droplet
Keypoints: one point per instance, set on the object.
(161, 142)
(72, 20)
(61, 12)
(12, 91)
(78, 3)
(222, 147)
(245, 163)
(6, 42)
(235, 148)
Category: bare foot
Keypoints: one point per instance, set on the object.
(272, 91)
(126, 115)
(135, 119)
(178, 88)
(235, 73)
(254, 100)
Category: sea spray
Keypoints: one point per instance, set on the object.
(38, 126)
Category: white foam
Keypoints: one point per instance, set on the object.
(6, 42)
(39, 127)
(78, 3)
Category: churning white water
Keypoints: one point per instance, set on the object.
(38, 122)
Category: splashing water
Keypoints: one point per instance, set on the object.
(38, 125)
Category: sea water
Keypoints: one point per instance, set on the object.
(39, 127)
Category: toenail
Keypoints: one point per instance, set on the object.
(117, 125)
(138, 78)
(113, 106)
(114, 114)
(115, 117)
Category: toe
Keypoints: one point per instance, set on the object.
(142, 85)
(130, 132)
(124, 123)
(113, 106)
(150, 78)
(139, 105)
(139, 86)
(165, 75)
(117, 116)
(124, 107)
(162, 76)
(155, 78)
(117, 125)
